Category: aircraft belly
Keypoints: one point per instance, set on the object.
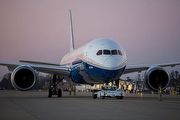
(85, 73)
(100, 75)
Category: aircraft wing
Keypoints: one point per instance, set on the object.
(37, 62)
(139, 68)
(46, 68)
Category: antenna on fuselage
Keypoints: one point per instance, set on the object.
(71, 32)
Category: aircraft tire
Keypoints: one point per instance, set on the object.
(103, 97)
(119, 97)
(50, 93)
(59, 93)
(94, 96)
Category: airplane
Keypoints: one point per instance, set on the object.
(101, 60)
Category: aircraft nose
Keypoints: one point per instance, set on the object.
(113, 62)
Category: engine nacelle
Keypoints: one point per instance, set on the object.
(23, 77)
(156, 77)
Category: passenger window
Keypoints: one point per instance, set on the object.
(106, 52)
(114, 52)
(99, 52)
(119, 52)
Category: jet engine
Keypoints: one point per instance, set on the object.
(23, 78)
(156, 77)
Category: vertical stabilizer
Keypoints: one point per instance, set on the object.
(71, 32)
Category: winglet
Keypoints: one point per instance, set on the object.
(71, 32)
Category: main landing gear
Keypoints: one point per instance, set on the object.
(54, 89)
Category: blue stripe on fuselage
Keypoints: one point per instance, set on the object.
(92, 74)
(103, 75)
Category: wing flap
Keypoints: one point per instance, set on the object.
(132, 68)
(62, 70)
(37, 62)
(140, 68)
(52, 69)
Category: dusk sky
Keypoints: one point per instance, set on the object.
(37, 30)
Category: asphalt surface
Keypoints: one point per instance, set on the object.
(34, 105)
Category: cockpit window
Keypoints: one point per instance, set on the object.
(106, 52)
(114, 52)
(109, 52)
(119, 52)
(99, 52)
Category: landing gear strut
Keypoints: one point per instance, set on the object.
(53, 88)
(160, 93)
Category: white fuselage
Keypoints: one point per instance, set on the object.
(103, 54)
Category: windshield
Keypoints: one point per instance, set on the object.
(108, 52)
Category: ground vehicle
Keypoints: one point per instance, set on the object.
(109, 92)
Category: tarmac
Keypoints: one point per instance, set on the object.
(35, 105)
